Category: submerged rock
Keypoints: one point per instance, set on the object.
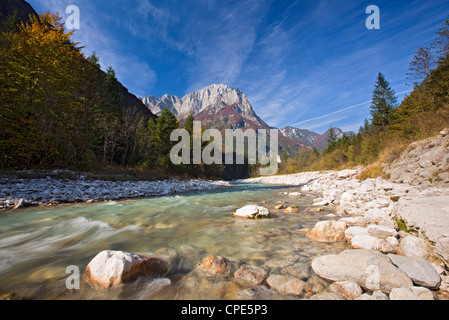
(215, 265)
(111, 268)
(255, 275)
(286, 284)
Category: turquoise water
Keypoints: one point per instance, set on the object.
(37, 244)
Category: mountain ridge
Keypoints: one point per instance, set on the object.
(225, 108)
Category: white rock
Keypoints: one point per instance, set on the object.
(111, 268)
(403, 294)
(295, 194)
(366, 242)
(328, 231)
(351, 232)
(381, 231)
(412, 246)
(347, 289)
(377, 295)
(354, 221)
(253, 212)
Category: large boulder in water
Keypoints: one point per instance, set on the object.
(253, 212)
(111, 268)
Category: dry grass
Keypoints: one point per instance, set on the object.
(371, 172)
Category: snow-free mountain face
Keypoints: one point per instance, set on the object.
(217, 105)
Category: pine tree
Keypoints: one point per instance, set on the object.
(383, 104)
(441, 44)
(166, 123)
(189, 124)
(331, 140)
(421, 66)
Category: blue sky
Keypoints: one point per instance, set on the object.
(307, 63)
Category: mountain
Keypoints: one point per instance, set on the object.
(216, 105)
(310, 138)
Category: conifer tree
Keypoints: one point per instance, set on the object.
(421, 66)
(383, 104)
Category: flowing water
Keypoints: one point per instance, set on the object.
(37, 244)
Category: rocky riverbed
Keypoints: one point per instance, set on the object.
(399, 234)
(17, 193)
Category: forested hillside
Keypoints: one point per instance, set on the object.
(60, 110)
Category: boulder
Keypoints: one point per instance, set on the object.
(354, 221)
(411, 246)
(376, 296)
(403, 294)
(347, 289)
(365, 241)
(252, 212)
(328, 231)
(215, 265)
(369, 269)
(292, 209)
(423, 293)
(351, 232)
(252, 274)
(295, 194)
(299, 270)
(376, 215)
(419, 270)
(286, 284)
(381, 231)
(442, 249)
(326, 296)
(111, 268)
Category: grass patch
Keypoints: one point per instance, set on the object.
(371, 172)
(402, 226)
(395, 199)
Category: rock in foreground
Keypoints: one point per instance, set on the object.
(215, 265)
(111, 268)
(369, 269)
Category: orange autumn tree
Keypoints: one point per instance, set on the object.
(49, 97)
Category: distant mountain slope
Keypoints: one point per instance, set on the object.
(310, 138)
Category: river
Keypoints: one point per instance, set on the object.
(37, 244)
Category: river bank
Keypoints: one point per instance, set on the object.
(379, 216)
(16, 193)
